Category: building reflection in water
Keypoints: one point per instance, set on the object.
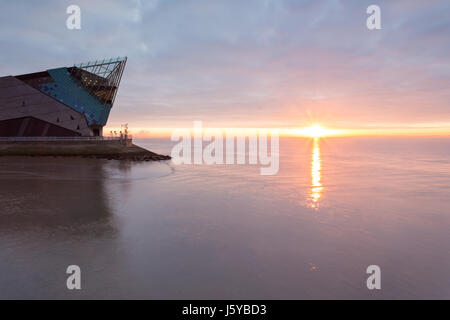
(316, 190)
(56, 195)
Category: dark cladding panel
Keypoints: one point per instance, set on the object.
(10, 128)
(36, 79)
(27, 101)
(32, 127)
(55, 131)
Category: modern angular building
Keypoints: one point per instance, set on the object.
(61, 102)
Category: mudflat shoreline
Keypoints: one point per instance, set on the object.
(104, 149)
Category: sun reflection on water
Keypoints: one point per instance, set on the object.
(316, 185)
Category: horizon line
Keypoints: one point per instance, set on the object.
(166, 132)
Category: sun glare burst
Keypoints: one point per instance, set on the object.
(315, 131)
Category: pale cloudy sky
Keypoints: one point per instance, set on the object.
(264, 63)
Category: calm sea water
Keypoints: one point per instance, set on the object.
(157, 230)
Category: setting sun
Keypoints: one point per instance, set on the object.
(315, 131)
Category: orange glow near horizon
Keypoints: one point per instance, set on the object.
(310, 131)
